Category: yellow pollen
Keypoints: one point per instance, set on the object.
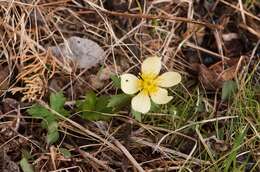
(148, 83)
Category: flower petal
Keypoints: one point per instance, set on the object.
(161, 96)
(169, 79)
(151, 65)
(141, 102)
(129, 83)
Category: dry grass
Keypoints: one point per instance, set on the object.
(205, 133)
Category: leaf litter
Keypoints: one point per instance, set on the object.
(58, 52)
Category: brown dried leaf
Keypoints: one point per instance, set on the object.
(226, 70)
(108, 71)
(96, 82)
(213, 77)
(209, 78)
(217, 145)
(4, 81)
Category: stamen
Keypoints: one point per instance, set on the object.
(148, 83)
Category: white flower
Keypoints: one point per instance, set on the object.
(149, 85)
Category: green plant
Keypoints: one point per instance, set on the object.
(24, 162)
(96, 108)
(50, 120)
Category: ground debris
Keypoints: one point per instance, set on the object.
(212, 77)
(77, 47)
(6, 164)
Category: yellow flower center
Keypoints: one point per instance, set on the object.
(148, 83)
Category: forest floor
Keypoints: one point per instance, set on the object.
(62, 108)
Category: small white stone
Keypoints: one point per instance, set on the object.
(85, 53)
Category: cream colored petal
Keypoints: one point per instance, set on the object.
(129, 83)
(151, 65)
(141, 103)
(169, 79)
(161, 96)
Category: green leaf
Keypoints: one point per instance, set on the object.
(53, 126)
(92, 107)
(53, 133)
(89, 102)
(228, 90)
(49, 122)
(38, 111)
(118, 101)
(25, 165)
(52, 137)
(26, 154)
(116, 81)
(95, 116)
(87, 106)
(65, 152)
(101, 105)
(57, 101)
(137, 115)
